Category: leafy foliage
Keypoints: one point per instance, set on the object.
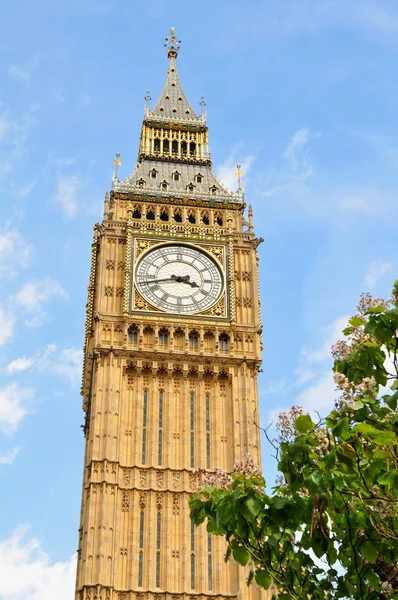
(330, 529)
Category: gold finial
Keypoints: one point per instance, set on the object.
(239, 174)
(172, 44)
(202, 103)
(117, 161)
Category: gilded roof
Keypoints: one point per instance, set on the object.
(205, 186)
(173, 103)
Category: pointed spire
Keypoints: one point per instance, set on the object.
(173, 103)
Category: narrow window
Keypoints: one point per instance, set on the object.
(176, 176)
(174, 148)
(133, 335)
(191, 218)
(192, 411)
(140, 563)
(192, 555)
(164, 185)
(158, 540)
(184, 148)
(213, 190)
(144, 422)
(154, 172)
(163, 338)
(141, 553)
(208, 432)
(150, 215)
(156, 147)
(137, 214)
(192, 571)
(210, 572)
(141, 183)
(223, 341)
(160, 438)
(192, 536)
(205, 220)
(219, 221)
(190, 188)
(157, 569)
(164, 215)
(166, 146)
(177, 217)
(192, 148)
(192, 427)
(193, 340)
(199, 178)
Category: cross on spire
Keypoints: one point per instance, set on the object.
(172, 44)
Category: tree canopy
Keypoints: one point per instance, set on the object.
(329, 529)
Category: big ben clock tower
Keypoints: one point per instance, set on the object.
(172, 352)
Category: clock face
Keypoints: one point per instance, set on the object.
(179, 278)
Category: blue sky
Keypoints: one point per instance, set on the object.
(303, 93)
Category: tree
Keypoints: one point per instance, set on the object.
(329, 529)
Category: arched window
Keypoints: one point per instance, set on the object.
(156, 146)
(176, 175)
(192, 148)
(199, 178)
(164, 185)
(213, 190)
(163, 337)
(141, 183)
(154, 172)
(150, 214)
(174, 147)
(193, 340)
(191, 217)
(223, 341)
(219, 220)
(132, 333)
(166, 146)
(136, 213)
(177, 215)
(190, 187)
(164, 215)
(184, 148)
(205, 219)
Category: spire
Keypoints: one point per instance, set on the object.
(173, 103)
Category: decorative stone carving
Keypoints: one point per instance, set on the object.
(110, 265)
(159, 479)
(108, 290)
(125, 502)
(176, 504)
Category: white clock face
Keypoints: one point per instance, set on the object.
(179, 278)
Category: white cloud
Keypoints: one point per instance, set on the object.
(320, 395)
(14, 405)
(28, 573)
(278, 387)
(376, 270)
(7, 323)
(19, 74)
(65, 363)
(69, 365)
(298, 166)
(34, 294)
(226, 172)
(331, 334)
(15, 253)
(67, 194)
(7, 458)
(19, 365)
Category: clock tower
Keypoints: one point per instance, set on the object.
(172, 353)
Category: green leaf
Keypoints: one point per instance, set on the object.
(251, 507)
(303, 424)
(376, 310)
(389, 478)
(263, 579)
(356, 321)
(394, 385)
(369, 551)
(377, 436)
(241, 555)
(342, 428)
(250, 578)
